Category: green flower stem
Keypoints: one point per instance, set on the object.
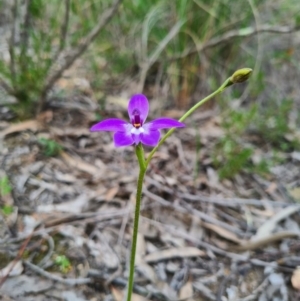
(226, 84)
(141, 159)
(143, 167)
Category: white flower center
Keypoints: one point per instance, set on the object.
(136, 131)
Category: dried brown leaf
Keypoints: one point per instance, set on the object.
(111, 193)
(140, 249)
(223, 232)
(266, 240)
(63, 177)
(295, 193)
(272, 188)
(267, 228)
(32, 125)
(296, 279)
(75, 206)
(136, 297)
(70, 131)
(117, 294)
(147, 271)
(173, 253)
(80, 164)
(186, 292)
(13, 268)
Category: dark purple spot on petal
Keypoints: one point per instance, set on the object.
(137, 122)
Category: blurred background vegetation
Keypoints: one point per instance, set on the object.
(178, 51)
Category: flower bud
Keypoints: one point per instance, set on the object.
(240, 75)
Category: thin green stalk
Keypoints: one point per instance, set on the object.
(239, 76)
(143, 167)
(141, 159)
(226, 84)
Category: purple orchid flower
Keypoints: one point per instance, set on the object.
(137, 131)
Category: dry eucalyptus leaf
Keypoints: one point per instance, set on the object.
(223, 232)
(69, 132)
(21, 285)
(140, 249)
(14, 269)
(71, 296)
(32, 125)
(136, 297)
(186, 292)
(111, 193)
(295, 193)
(173, 253)
(266, 240)
(65, 178)
(296, 279)
(75, 206)
(148, 272)
(118, 295)
(80, 164)
(268, 227)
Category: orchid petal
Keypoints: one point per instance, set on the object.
(112, 124)
(139, 103)
(163, 123)
(123, 139)
(150, 138)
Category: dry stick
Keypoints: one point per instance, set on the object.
(72, 55)
(93, 274)
(257, 291)
(230, 202)
(50, 226)
(232, 34)
(71, 282)
(20, 254)
(99, 275)
(189, 209)
(188, 237)
(50, 252)
(216, 250)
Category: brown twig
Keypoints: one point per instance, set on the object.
(20, 254)
(189, 209)
(71, 282)
(230, 202)
(51, 225)
(233, 34)
(70, 57)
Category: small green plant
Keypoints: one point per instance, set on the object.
(63, 263)
(50, 147)
(43, 44)
(5, 187)
(7, 209)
